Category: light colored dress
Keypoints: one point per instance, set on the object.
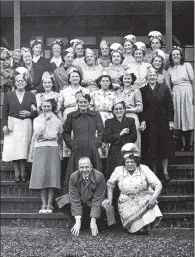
(46, 168)
(163, 78)
(181, 77)
(133, 99)
(140, 71)
(129, 59)
(104, 62)
(135, 190)
(102, 101)
(70, 105)
(115, 73)
(79, 61)
(90, 74)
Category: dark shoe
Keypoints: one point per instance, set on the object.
(17, 179)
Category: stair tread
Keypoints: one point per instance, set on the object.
(55, 215)
(187, 153)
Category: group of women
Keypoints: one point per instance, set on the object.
(92, 107)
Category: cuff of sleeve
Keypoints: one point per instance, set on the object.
(95, 213)
(78, 217)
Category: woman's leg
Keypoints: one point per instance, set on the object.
(183, 141)
(44, 196)
(16, 164)
(51, 192)
(23, 169)
(154, 167)
(191, 140)
(165, 166)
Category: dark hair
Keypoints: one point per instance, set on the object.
(75, 55)
(136, 159)
(161, 42)
(86, 96)
(161, 67)
(22, 56)
(37, 42)
(135, 49)
(132, 76)
(121, 102)
(171, 59)
(64, 53)
(100, 78)
(53, 104)
(77, 73)
(61, 44)
(53, 83)
(122, 57)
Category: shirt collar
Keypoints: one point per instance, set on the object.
(91, 177)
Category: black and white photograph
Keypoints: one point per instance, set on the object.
(97, 128)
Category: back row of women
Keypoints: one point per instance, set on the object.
(129, 90)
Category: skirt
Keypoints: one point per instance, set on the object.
(46, 168)
(17, 142)
(134, 213)
(183, 107)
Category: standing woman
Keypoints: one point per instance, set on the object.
(116, 70)
(17, 115)
(156, 43)
(37, 49)
(118, 131)
(91, 72)
(61, 74)
(139, 68)
(129, 42)
(156, 122)
(56, 60)
(88, 129)
(181, 77)
(77, 45)
(104, 59)
(158, 64)
(16, 59)
(133, 101)
(46, 168)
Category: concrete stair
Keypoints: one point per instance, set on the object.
(20, 206)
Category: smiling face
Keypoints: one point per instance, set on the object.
(104, 51)
(16, 57)
(90, 59)
(152, 77)
(56, 50)
(128, 47)
(157, 62)
(116, 58)
(85, 167)
(119, 110)
(130, 164)
(105, 83)
(20, 82)
(83, 104)
(79, 50)
(127, 79)
(74, 78)
(155, 44)
(138, 55)
(47, 84)
(176, 56)
(46, 107)
(68, 58)
(37, 49)
(27, 58)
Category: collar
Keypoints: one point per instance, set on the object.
(77, 113)
(126, 173)
(124, 119)
(91, 177)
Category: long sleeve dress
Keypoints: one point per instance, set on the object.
(112, 130)
(17, 142)
(157, 112)
(134, 196)
(181, 78)
(134, 105)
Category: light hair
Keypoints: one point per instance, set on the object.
(84, 158)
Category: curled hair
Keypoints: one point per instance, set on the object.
(53, 104)
(36, 42)
(76, 71)
(122, 57)
(136, 159)
(100, 79)
(171, 59)
(136, 49)
(121, 102)
(133, 77)
(64, 53)
(161, 67)
(52, 80)
(160, 40)
(26, 51)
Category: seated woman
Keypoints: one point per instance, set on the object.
(46, 168)
(139, 190)
(17, 115)
(61, 74)
(118, 131)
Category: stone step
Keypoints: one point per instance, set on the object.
(178, 187)
(58, 219)
(182, 158)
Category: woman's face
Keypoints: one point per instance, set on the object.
(56, 50)
(46, 107)
(27, 58)
(105, 50)
(119, 110)
(116, 58)
(155, 44)
(176, 56)
(90, 59)
(47, 84)
(138, 55)
(105, 83)
(37, 49)
(157, 62)
(83, 104)
(69, 59)
(20, 82)
(152, 77)
(130, 164)
(16, 56)
(79, 50)
(127, 79)
(128, 47)
(74, 78)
